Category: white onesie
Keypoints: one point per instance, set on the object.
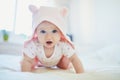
(35, 49)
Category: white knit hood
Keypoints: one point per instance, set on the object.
(54, 15)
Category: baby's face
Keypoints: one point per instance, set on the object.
(48, 34)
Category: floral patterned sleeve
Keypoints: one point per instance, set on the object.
(30, 49)
(67, 50)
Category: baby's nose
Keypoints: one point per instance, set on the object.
(48, 36)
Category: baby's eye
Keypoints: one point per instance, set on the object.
(54, 31)
(42, 31)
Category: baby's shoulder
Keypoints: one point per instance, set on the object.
(64, 44)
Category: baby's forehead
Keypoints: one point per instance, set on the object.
(46, 25)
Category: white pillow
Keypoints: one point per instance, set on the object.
(110, 54)
(10, 62)
(10, 48)
(98, 58)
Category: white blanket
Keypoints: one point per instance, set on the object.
(10, 70)
(104, 75)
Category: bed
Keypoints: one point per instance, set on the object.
(97, 66)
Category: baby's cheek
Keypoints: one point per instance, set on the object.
(41, 39)
(57, 38)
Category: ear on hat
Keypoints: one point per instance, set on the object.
(33, 8)
(64, 11)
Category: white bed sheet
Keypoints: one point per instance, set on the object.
(10, 70)
(106, 75)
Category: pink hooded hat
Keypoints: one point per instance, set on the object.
(54, 15)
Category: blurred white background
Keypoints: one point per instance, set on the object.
(91, 22)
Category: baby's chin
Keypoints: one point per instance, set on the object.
(49, 47)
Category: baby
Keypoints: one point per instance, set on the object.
(49, 45)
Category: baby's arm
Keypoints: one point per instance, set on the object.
(27, 64)
(77, 64)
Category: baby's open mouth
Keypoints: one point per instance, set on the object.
(49, 42)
